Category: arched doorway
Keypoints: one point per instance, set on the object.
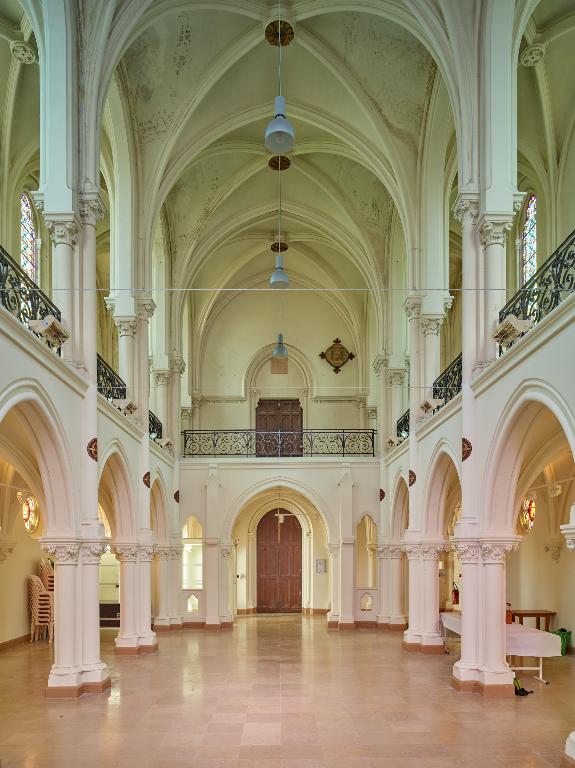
(279, 563)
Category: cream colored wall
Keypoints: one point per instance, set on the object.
(14, 571)
(536, 580)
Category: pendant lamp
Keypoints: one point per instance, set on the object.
(279, 277)
(279, 135)
(280, 349)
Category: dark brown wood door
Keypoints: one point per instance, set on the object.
(273, 417)
(279, 563)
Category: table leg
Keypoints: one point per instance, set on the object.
(538, 622)
(521, 619)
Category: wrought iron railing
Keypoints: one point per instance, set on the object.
(109, 383)
(403, 425)
(308, 442)
(20, 295)
(155, 426)
(548, 287)
(448, 384)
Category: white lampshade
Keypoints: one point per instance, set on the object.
(280, 349)
(279, 277)
(280, 135)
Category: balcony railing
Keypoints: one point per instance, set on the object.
(155, 426)
(448, 384)
(403, 425)
(22, 297)
(109, 383)
(548, 287)
(308, 442)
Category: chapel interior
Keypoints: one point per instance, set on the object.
(287, 415)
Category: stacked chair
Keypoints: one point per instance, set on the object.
(41, 595)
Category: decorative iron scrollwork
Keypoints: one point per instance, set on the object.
(154, 426)
(308, 442)
(449, 383)
(109, 383)
(548, 287)
(22, 297)
(403, 425)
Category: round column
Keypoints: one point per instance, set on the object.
(465, 671)
(162, 618)
(126, 335)
(147, 642)
(225, 585)
(127, 639)
(384, 596)
(493, 232)
(64, 235)
(412, 635)
(175, 587)
(431, 637)
(430, 326)
(333, 615)
(162, 379)
(397, 619)
(66, 674)
(94, 671)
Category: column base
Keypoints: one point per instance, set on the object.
(332, 624)
(489, 691)
(212, 625)
(432, 644)
(366, 624)
(347, 622)
(176, 622)
(148, 648)
(569, 756)
(383, 625)
(194, 625)
(96, 675)
(393, 627)
(411, 647)
(75, 691)
(432, 649)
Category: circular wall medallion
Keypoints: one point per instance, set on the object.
(92, 448)
(279, 163)
(412, 477)
(22, 52)
(466, 448)
(275, 29)
(177, 497)
(146, 479)
(278, 246)
(381, 494)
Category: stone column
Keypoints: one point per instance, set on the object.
(63, 230)
(251, 572)
(333, 615)
(413, 311)
(307, 572)
(147, 641)
(162, 380)
(162, 618)
(146, 309)
(127, 639)
(397, 620)
(430, 326)
(395, 381)
(127, 332)
(212, 582)
(175, 593)
(65, 677)
(383, 615)
(431, 637)
(186, 418)
(465, 671)
(494, 670)
(95, 677)
(226, 621)
(412, 635)
(493, 231)
(346, 583)
(177, 368)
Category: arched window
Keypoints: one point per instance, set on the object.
(28, 255)
(529, 241)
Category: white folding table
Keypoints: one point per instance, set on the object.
(519, 641)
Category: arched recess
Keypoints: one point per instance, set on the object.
(399, 509)
(117, 494)
(536, 423)
(366, 553)
(35, 443)
(315, 582)
(159, 520)
(442, 484)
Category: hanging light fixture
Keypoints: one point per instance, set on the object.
(279, 135)
(280, 350)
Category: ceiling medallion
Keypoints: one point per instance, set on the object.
(466, 448)
(279, 247)
(412, 477)
(279, 163)
(286, 31)
(92, 448)
(337, 355)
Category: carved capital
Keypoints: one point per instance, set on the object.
(468, 551)
(412, 306)
(333, 550)
(62, 232)
(497, 551)
(126, 325)
(61, 552)
(177, 365)
(431, 324)
(554, 548)
(396, 376)
(379, 364)
(146, 553)
(126, 553)
(92, 551)
(466, 209)
(146, 307)
(91, 208)
(431, 551)
(225, 552)
(162, 378)
(176, 553)
(162, 553)
(413, 551)
(493, 231)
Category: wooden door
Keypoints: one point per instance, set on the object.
(279, 563)
(273, 417)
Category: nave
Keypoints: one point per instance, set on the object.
(278, 692)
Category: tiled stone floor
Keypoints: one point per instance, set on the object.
(279, 692)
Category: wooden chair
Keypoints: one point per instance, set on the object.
(47, 574)
(41, 610)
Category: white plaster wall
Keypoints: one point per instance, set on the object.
(14, 571)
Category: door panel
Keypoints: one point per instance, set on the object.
(274, 416)
(279, 563)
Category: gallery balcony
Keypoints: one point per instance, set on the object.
(258, 444)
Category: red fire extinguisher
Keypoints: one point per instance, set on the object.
(455, 595)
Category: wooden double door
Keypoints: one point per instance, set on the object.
(279, 563)
(279, 416)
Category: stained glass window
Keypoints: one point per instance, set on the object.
(529, 240)
(28, 255)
